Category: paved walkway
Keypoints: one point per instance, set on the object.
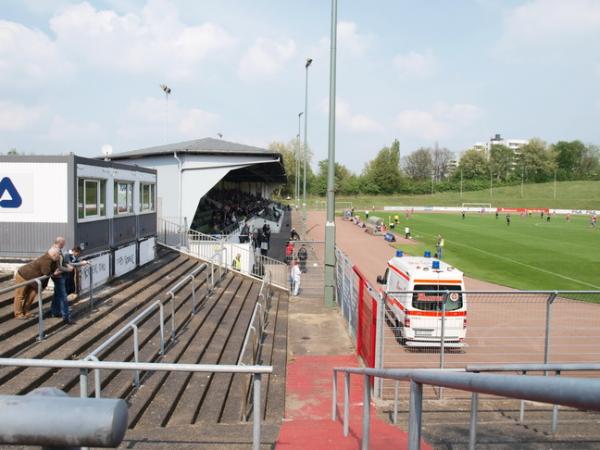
(318, 342)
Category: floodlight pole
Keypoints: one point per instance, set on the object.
(330, 224)
(297, 152)
(306, 66)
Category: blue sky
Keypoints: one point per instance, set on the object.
(76, 75)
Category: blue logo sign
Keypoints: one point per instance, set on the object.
(6, 185)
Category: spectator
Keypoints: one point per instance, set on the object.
(72, 259)
(295, 276)
(302, 256)
(60, 304)
(406, 232)
(289, 252)
(45, 265)
(244, 234)
(439, 246)
(237, 262)
(294, 236)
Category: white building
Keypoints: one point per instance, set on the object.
(514, 144)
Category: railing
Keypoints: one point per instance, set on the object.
(172, 234)
(525, 368)
(40, 301)
(132, 326)
(580, 393)
(260, 314)
(85, 366)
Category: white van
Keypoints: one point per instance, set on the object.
(418, 290)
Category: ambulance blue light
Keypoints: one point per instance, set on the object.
(399, 253)
(427, 254)
(435, 264)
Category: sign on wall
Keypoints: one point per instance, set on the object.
(147, 250)
(125, 260)
(100, 266)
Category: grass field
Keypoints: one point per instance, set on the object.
(529, 254)
(569, 195)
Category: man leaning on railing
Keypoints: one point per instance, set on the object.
(45, 265)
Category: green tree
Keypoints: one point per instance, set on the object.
(501, 162)
(382, 174)
(13, 151)
(419, 164)
(342, 174)
(535, 162)
(291, 155)
(569, 157)
(473, 165)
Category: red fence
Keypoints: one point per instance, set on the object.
(367, 320)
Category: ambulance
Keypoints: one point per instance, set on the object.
(417, 292)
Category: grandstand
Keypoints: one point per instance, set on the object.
(211, 325)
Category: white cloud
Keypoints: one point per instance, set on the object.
(148, 118)
(266, 58)
(349, 41)
(415, 65)
(17, 117)
(551, 26)
(348, 119)
(442, 121)
(28, 56)
(153, 40)
(69, 130)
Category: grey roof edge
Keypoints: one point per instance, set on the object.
(198, 146)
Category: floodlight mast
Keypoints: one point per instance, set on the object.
(167, 90)
(306, 66)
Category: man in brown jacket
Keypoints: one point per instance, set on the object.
(46, 264)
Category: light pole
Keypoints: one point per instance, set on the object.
(167, 90)
(330, 224)
(298, 163)
(306, 66)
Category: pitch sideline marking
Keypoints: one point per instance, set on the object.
(523, 264)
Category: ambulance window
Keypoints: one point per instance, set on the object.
(433, 295)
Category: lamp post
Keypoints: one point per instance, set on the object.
(330, 224)
(167, 90)
(298, 163)
(306, 66)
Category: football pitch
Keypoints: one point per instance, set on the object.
(530, 254)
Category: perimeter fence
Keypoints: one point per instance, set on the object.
(401, 330)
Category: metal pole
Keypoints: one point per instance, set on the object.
(97, 385)
(522, 407)
(256, 413)
(305, 145)
(161, 313)
(549, 302)
(473, 423)
(193, 296)
(414, 415)
(396, 389)
(91, 289)
(442, 340)
(172, 317)
(346, 402)
(330, 224)
(83, 383)
(334, 396)
(461, 184)
(40, 311)
(136, 353)
(554, 184)
(555, 412)
(366, 425)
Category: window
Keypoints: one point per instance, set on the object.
(123, 196)
(147, 197)
(433, 296)
(91, 198)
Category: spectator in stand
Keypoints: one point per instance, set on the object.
(302, 257)
(237, 262)
(45, 265)
(60, 304)
(72, 259)
(245, 234)
(289, 252)
(294, 236)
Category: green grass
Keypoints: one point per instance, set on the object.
(529, 254)
(569, 195)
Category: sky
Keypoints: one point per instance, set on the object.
(75, 76)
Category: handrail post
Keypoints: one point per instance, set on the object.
(136, 354)
(366, 425)
(396, 389)
(172, 316)
(334, 396)
(83, 383)
(443, 340)
(522, 406)
(555, 412)
(161, 313)
(40, 300)
(256, 413)
(346, 402)
(473, 422)
(91, 301)
(549, 303)
(193, 295)
(414, 415)
(97, 385)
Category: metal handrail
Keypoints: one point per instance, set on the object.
(573, 392)
(263, 320)
(132, 326)
(86, 366)
(38, 281)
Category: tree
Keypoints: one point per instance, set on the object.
(473, 165)
(289, 152)
(419, 164)
(382, 174)
(341, 175)
(501, 162)
(440, 161)
(569, 158)
(13, 151)
(535, 161)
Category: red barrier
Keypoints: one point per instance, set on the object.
(523, 210)
(367, 321)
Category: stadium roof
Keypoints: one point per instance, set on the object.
(198, 146)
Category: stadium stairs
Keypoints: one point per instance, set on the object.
(169, 410)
